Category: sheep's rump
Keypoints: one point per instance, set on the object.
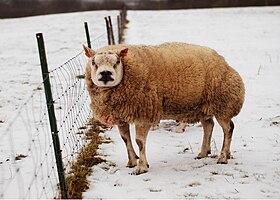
(170, 81)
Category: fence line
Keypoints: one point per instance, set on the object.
(28, 165)
(35, 152)
(51, 114)
(73, 112)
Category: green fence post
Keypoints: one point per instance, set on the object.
(51, 113)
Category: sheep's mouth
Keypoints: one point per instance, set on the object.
(106, 79)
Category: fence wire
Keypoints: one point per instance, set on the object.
(27, 161)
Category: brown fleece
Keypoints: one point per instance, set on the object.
(171, 81)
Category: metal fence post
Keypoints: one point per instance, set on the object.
(51, 113)
(87, 35)
(111, 30)
(108, 31)
(119, 29)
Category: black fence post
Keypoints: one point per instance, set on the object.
(87, 35)
(119, 29)
(51, 113)
(111, 30)
(108, 31)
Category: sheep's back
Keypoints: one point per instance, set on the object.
(178, 72)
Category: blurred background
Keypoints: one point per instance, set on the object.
(22, 8)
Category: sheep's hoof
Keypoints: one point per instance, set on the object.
(132, 164)
(201, 155)
(140, 170)
(222, 159)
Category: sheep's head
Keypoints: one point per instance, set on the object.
(106, 66)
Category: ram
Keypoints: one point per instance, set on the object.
(144, 84)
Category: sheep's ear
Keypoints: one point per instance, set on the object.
(123, 52)
(88, 51)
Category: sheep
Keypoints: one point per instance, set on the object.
(143, 84)
(180, 127)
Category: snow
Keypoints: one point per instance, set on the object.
(24, 128)
(249, 40)
(63, 35)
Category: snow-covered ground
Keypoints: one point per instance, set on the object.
(19, 59)
(249, 40)
(24, 128)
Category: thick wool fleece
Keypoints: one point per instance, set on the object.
(171, 81)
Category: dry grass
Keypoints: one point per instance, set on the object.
(76, 180)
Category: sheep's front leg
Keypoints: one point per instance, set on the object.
(141, 136)
(125, 134)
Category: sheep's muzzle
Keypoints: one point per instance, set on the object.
(106, 77)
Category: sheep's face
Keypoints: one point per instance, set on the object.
(106, 68)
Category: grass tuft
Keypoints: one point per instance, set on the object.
(76, 180)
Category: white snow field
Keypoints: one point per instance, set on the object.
(24, 126)
(249, 39)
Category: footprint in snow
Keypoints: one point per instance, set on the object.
(194, 184)
(117, 185)
(190, 195)
(155, 190)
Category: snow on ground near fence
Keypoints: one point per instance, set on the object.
(19, 60)
(249, 40)
(29, 134)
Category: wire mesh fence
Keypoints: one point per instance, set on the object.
(28, 168)
(31, 167)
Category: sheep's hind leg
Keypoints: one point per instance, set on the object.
(125, 134)
(141, 137)
(228, 127)
(207, 125)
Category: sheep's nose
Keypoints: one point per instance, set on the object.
(106, 76)
(106, 73)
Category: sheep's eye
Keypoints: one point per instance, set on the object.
(118, 62)
(92, 62)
